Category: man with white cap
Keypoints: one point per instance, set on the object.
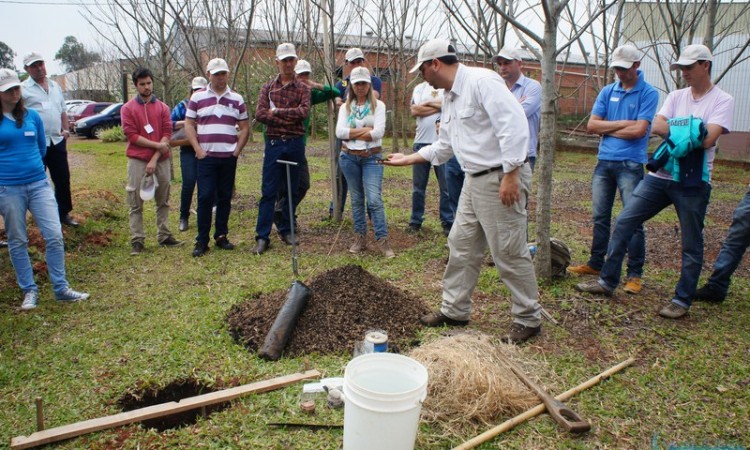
(686, 183)
(216, 123)
(527, 91)
(188, 161)
(485, 126)
(46, 97)
(283, 106)
(622, 116)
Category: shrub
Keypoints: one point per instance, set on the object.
(114, 134)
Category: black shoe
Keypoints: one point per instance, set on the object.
(437, 319)
(183, 225)
(223, 243)
(287, 239)
(710, 294)
(170, 242)
(69, 221)
(520, 333)
(199, 250)
(261, 245)
(413, 228)
(136, 249)
(447, 229)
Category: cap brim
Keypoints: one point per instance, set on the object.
(215, 71)
(300, 72)
(505, 57)
(622, 64)
(682, 62)
(288, 55)
(416, 67)
(360, 80)
(28, 63)
(10, 86)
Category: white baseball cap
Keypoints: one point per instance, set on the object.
(624, 56)
(148, 187)
(31, 58)
(433, 49)
(360, 74)
(509, 54)
(354, 53)
(285, 50)
(198, 83)
(302, 67)
(691, 54)
(217, 65)
(8, 79)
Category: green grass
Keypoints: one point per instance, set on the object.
(159, 317)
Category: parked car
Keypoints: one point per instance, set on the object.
(93, 126)
(69, 104)
(85, 110)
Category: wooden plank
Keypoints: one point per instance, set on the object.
(151, 412)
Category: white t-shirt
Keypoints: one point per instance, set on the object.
(422, 93)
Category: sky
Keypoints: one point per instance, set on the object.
(41, 26)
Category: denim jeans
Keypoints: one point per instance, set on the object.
(734, 247)
(189, 168)
(532, 163)
(56, 160)
(420, 178)
(365, 179)
(610, 177)
(454, 182)
(39, 199)
(274, 174)
(215, 185)
(282, 199)
(650, 197)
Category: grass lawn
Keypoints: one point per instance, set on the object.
(160, 317)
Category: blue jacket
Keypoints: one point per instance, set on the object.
(682, 153)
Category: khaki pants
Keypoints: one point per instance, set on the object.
(482, 220)
(136, 171)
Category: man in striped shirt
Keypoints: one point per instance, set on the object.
(211, 121)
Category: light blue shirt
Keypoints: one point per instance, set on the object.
(529, 93)
(615, 103)
(50, 106)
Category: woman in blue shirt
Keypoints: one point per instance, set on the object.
(24, 187)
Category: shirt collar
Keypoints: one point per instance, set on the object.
(210, 89)
(140, 100)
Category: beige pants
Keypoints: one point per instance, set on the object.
(482, 220)
(136, 171)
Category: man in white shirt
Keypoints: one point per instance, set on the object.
(486, 128)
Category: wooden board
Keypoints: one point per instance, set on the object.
(151, 412)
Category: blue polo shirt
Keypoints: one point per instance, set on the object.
(615, 103)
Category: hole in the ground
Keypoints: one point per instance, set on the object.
(173, 392)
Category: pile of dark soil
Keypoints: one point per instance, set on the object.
(346, 303)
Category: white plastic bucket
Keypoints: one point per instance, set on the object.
(384, 394)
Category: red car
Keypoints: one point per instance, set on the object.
(85, 110)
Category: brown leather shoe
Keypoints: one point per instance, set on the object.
(520, 333)
(438, 319)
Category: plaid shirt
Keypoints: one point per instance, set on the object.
(292, 106)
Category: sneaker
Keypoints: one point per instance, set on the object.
(413, 228)
(438, 319)
(136, 248)
(584, 269)
(673, 311)
(594, 287)
(710, 294)
(171, 242)
(69, 295)
(199, 250)
(359, 245)
(633, 285)
(223, 243)
(519, 333)
(385, 247)
(30, 300)
(3, 243)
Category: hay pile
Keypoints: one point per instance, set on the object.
(469, 381)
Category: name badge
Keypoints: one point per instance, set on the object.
(149, 129)
(614, 99)
(29, 133)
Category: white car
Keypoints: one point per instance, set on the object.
(69, 104)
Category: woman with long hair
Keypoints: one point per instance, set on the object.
(361, 126)
(24, 187)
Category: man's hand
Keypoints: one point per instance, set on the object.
(163, 147)
(395, 159)
(65, 134)
(510, 190)
(151, 167)
(200, 153)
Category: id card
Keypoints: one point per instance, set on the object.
(149, 129)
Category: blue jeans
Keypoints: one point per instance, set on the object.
(365, 179)
(532, 163)
(189, 168)
(735, 244)
(454, 182)
(274, 175)
(39, 199)
(650, 197)
(610, 177)
(215, 185)
(420, 178)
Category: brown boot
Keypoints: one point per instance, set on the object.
(359, 245)
(386, 248)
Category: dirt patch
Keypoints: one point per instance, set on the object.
(346, 303)
(97, 239)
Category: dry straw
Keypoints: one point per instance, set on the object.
(469, 381)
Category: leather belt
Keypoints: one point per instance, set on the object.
(283, 137)
(493, 169)
(368, 152)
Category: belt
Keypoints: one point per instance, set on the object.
(368, 152)
(493, 169)
(283, 137)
